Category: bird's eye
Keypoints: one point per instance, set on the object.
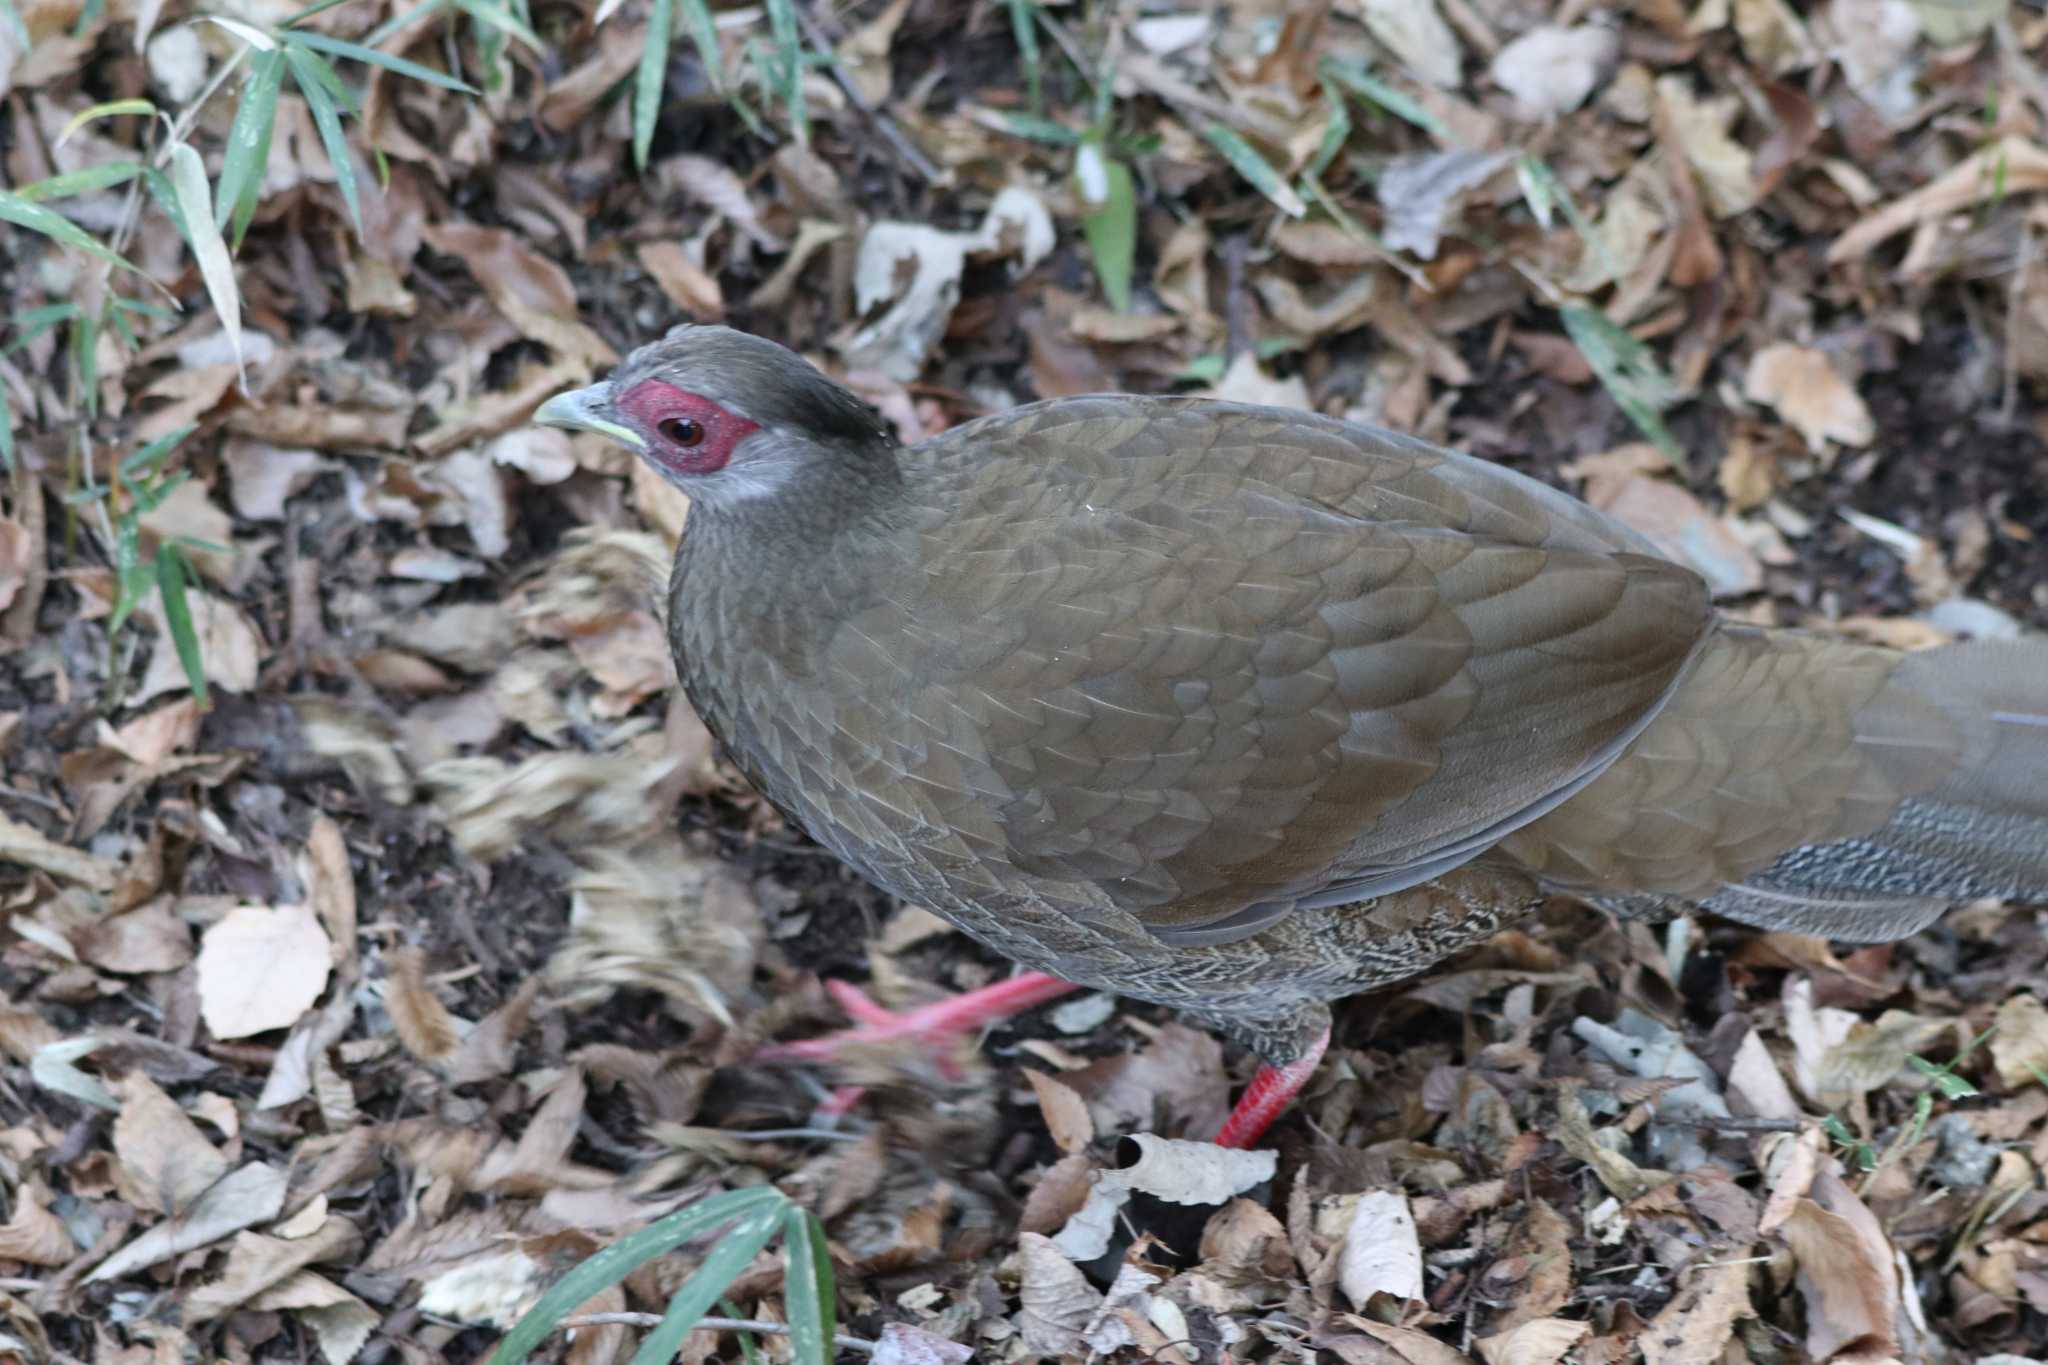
(682, 431)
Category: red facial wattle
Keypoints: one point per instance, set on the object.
(685, 432)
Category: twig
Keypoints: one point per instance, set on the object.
(1735, 1125)
(770, 1329)
(886, 126)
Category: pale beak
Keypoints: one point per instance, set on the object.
(583, 410)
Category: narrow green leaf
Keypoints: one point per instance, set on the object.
(808, 1291)
(85, 361)
(648, 81)
(171, 579)
(132, 576)
(1255, 168)
(734, 1253)
(247, 154)
(165, 197)
(258, 39)
(1624, 365)
(704, 34)
(1336, 132)
(337, 47)
(501, 17)
(6, 432)
(1035, 128)
(29, 325)
(1373, 90)
(89, 16)
(10, 23)
(187, 174)
(789, 66)
(145, 460)
(148, 310)
(623, 1257)
(321, 7)
(108, 109)
(307, 73)
(376, 36)
(750, 1354)
(1024, 29)
(1111, 226)
(33, 216)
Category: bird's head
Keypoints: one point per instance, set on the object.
(728, 417)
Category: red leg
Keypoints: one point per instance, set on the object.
(960, 1014)
(1269, 1094)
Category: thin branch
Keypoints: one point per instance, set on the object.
(771, 1329)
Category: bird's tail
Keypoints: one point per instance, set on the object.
(1818, 786)
(1976, 826)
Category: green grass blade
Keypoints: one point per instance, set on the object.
(376, 36)
(808, 1292)
(145, 460)
(172, 576)
(109, 109)
(1625, 366)
(789, 66)
(33, 216)
(1336, 132)
(85, 360)
(1035, 128)
(320, 42)
(1024, 29)
(6, 432)
(501, 17)
(308, 72)
(33, 322)
(1255, 168)
(704, 33)
(187, 174)
(607, 1267)
(1375, 91)
(1111, 226)
(648, 80)
(734, 1253)
(750, 1354)
(309, 11)
(247, 154)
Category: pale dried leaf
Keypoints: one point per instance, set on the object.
(253, 1194)
(1540, 1341)
(261, 968)
(1810, 394)
(1381, 1254)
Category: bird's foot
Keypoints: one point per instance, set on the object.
(1269, 1094)
(927, 1024)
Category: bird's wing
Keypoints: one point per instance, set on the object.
(1219, 661)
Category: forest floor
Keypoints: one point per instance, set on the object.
(344, 1011)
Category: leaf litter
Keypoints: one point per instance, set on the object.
(345, 1011)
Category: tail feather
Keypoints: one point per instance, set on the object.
(1849, 791)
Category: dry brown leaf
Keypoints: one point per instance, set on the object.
(1810, 394)
(34, 1234)
(261, 968)
(531, 291)
(1416, 33)
(2010, 166)
(230, 649)
(243, 1198)
(1682, 527)
(685, 282)
(1846, 1272)
(20, 843)
(1066, 1113)
(1552, 70)
(2019, 1047)
(1541, 1250)
(150, 938)
(163, 1163)
(1696, 1326)
(1539, 1341)
(423, 1024)
(1056, 1302)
